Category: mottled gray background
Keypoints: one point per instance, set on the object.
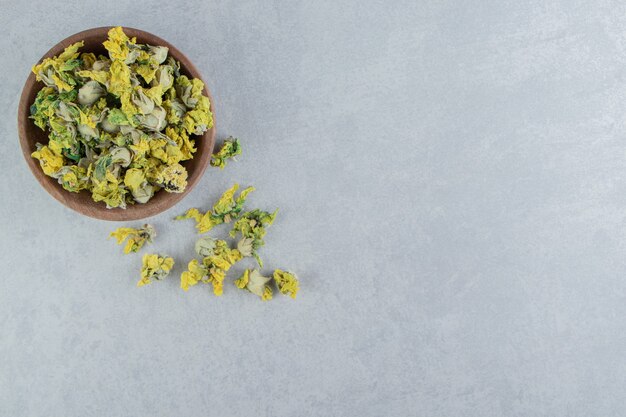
(452, 183)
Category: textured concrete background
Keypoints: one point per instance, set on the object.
(452, 183)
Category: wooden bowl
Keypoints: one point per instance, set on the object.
(81, 202)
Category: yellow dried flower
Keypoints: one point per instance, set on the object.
(287, 282)
(256, 283)
(229, 150)
(251, 226)
(50, 162)
(218, 259)
(173, 178)
(154, 267)
(225, 210)
(136, 237)
(194, 274)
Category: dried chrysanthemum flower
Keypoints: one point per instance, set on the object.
(225, 210)
(90, 92)
(228, 208)
(51, 162)
(173, 178)
(252, 227)
(205, 246)
(218, 257)
(229, 150)
(195, 273)
(136, 237)
(72, 178)
(154, 267)
(108, 190)
(256, 283)
(287, 282)
(57, 72)
(219, 263)
(136, 181)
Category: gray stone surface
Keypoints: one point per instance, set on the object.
(452, 183)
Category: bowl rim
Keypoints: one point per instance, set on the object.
(99, 210)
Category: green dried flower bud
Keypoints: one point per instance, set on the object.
(89, 93)
(158, 53)
(205, 246)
